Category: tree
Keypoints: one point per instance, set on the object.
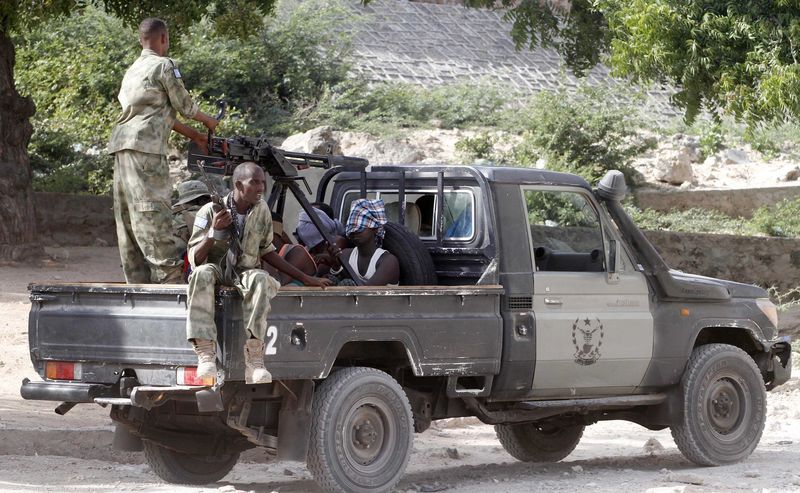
(18, 224)
(722, 56)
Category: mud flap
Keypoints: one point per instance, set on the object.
(294, 422)
(209, 401)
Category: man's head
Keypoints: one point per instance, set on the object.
(366, 221)
(192, 192)
(153, 34)
(249, 183)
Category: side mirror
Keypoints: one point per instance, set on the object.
(613, 261)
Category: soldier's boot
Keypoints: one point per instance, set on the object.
(254, 371)
(206, 351)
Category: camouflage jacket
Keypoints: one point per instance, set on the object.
(256, 239)
(182, 221)
(152, 93)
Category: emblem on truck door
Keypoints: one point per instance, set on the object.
(587, 336)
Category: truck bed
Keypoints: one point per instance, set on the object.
(111, 327)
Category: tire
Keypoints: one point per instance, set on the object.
(355, 409)
(416, 264)
(539, 442)
(179, 468)
(724, 406)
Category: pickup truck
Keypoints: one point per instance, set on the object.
(528, 299)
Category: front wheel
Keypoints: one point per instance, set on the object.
(539, 442)
(362, 432)
(724, 406)
(180, 468)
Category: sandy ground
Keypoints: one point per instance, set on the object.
(40, 451)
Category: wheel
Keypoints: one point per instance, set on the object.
(416, 264)
(176, 467)
(539, 442)
(361, 432)
(724, 406)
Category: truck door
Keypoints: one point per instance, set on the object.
(594, 331)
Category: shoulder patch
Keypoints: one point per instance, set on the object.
(175, 69)
(200, 222)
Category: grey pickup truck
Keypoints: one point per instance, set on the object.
(528, 299)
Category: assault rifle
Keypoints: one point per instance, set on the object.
(225, 154)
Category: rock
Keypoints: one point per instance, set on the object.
(686, 185)
(674, 168)
(711, 161)
(577, 469)
(652, 446)
(790, 175)
(685, 477)
(320, 140)
(735, 156)
(100, 242)
(288, 472)
(453, 453)
(752, 474)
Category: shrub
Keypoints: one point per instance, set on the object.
(782, 219)
(588, 133)
(481, 146)
(711, 139)
(690, 221)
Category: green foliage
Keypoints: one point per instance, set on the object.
(711, 139)
(782, 219)
(59, 167)
(690, 221)
(587, 134)
(383, 108)
(481, 146)
(286, 66)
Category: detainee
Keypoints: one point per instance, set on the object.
(227, 247)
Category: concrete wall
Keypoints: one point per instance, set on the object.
(735, 203)
(71, 220)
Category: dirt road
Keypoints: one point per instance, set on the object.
(40, 451)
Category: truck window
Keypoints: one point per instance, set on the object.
(565, 232)
(459, 211)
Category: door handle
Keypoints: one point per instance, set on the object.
(553, 301)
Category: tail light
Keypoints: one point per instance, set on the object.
(62, 370)
(188, 376)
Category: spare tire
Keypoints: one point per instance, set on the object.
(416, 263)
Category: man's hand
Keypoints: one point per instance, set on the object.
(319, 282)
(222, 220)
(200, 139)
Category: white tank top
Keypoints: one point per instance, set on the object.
(373, 262)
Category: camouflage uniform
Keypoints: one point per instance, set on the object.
(151, 94)
(183, 213)
(255, 285)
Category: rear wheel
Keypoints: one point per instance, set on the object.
(724, 406)
(539, 442)
(180, 468)
(362, 432)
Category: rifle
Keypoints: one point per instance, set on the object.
(225, 154)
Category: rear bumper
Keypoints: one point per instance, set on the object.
(781, 359)
(63, 391)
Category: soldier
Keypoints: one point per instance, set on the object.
(151, 94)
(214, 261)
(192, 194)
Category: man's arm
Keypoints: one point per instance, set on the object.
(222, 220)
(198, 138)
(275, 260)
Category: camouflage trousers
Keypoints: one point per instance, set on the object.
(256, 287)
(144, 219)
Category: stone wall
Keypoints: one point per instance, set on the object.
(64, 219)
(735, 203)
(749, 259)
(434, 44)
(72, 220)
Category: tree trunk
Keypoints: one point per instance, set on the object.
(17, 217)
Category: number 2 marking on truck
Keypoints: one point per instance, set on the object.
(272, 337)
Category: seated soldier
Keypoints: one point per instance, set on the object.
(192, 195)
(227, 246)
(372, 264)
(323, 254)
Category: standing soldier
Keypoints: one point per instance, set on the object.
(151, 94)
